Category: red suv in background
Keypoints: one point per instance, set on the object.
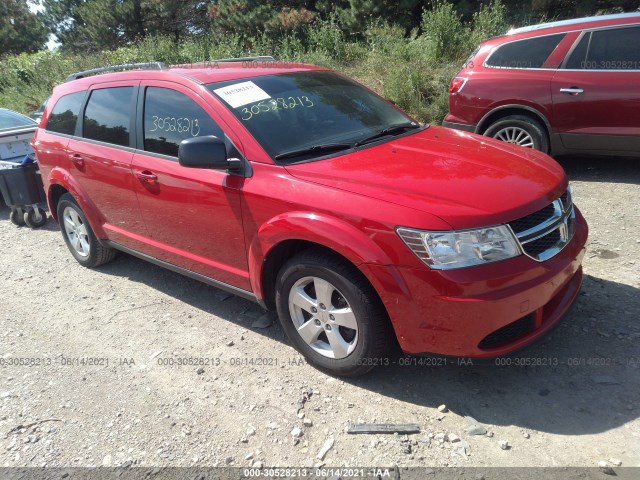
(564, 87)
(295, 187)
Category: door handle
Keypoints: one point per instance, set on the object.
(146, 176)
(572, 91)
(77, 160)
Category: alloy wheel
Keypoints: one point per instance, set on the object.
(515, 135)
(76, 231)
(323, 317)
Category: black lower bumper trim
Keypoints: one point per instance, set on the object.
(460, 126)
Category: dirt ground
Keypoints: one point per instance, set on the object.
(103, 385)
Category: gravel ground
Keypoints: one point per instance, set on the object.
(105, 387)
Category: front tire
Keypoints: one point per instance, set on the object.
(520, 130)
(79, 237)
(331, 314)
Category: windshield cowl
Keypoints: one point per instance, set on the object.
(323, 151)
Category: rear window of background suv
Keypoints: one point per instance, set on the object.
(64, 115)
(527, 53)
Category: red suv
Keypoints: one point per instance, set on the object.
(297, 188)
(562, 87)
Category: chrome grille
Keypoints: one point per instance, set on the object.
(545, 233)
(533, 220)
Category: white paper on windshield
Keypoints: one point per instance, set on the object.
(241, 94)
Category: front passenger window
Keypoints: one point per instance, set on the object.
(170, 117)
(610, 49)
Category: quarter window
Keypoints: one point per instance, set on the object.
(171, 117)
(107, 117)
(611, 49)
(64, 115)
(529, 53)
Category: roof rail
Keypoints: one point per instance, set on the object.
(260, 58)
(118, 68)
(573, 21)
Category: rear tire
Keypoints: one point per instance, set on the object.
(520, 130)
(79, 237)
(332, 314)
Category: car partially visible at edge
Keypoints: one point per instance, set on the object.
(564, 87)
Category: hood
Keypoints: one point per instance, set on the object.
(465, 179)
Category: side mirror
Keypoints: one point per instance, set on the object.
(206, 152)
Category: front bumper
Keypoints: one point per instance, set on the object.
(485, 311)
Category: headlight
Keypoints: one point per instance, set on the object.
(462, 248)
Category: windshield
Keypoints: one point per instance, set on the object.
(308, 114)
(10, 120)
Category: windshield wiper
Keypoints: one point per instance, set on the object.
(332, 147)
(322, 148)
(390, 130)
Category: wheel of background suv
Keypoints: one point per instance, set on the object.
(35, 218)
(520, 130)
(331, 313)
(16, 217)
(78, 235)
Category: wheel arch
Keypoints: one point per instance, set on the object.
(283, 237)
(61, 182)
(53, 197)
(283, 252)
(513, 109)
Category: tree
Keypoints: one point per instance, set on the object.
(20, 29)
(82, 25)
(250, 17)
(527, 10)
(107, 24)
(356, 15)
(177, 18)
(86, 24)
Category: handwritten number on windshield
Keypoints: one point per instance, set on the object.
(275, 104)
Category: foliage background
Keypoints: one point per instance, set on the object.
(406, 50)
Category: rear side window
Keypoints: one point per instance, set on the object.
(64, 115)
(107, 117)
(529, 53)
(170, 117)
(612, 49)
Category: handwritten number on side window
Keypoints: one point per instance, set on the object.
(173, 124)
(195, 128)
